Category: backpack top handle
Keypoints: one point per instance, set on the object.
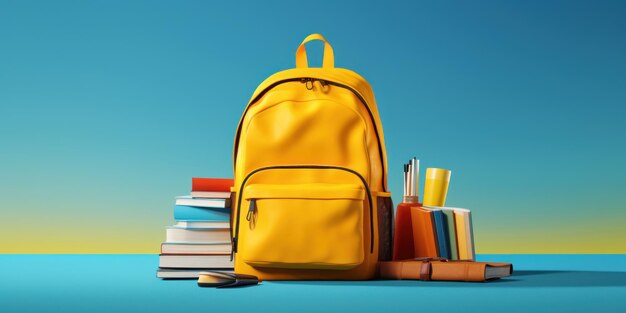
(329, 56)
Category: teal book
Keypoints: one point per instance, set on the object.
(449, 213)
(441, 227)
(191, 213)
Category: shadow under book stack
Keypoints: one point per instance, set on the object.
(199, 240)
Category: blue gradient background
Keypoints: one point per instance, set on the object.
(108, 109)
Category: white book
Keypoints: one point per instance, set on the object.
(183, 273)
(196, 248)
(202, 224)
(206, 261)
(196, 235)
(211, 194)
(203, 202)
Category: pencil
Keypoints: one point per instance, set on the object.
(412, 174)
(404, 179)
(417, 177)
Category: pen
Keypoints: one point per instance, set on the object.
(404, 179)
(410, 178)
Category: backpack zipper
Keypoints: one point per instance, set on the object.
(251, 209)
(252, 206)
(306, 81)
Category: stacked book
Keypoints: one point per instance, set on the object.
(199, 240)
(443, 232)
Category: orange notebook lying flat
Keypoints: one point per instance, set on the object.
(424, 236)
(444, 270)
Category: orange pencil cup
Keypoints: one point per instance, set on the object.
(403, 247)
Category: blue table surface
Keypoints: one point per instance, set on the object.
(115, 283)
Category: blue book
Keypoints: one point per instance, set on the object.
(192, 213)
(441, 225)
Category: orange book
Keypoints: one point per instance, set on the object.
(444, 270)
(424, 236)
(211, 184)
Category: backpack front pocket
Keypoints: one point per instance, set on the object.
(312, 226)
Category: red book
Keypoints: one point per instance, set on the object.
(211, 184)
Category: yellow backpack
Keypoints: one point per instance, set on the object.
(310, 193)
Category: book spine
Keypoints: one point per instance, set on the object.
(449, 215)
(470, 229)
(211, 184)
(442, 235)
(463, 236)
(205, 203)
(190, 213)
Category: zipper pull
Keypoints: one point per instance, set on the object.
(308, 83)
(251, 209)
